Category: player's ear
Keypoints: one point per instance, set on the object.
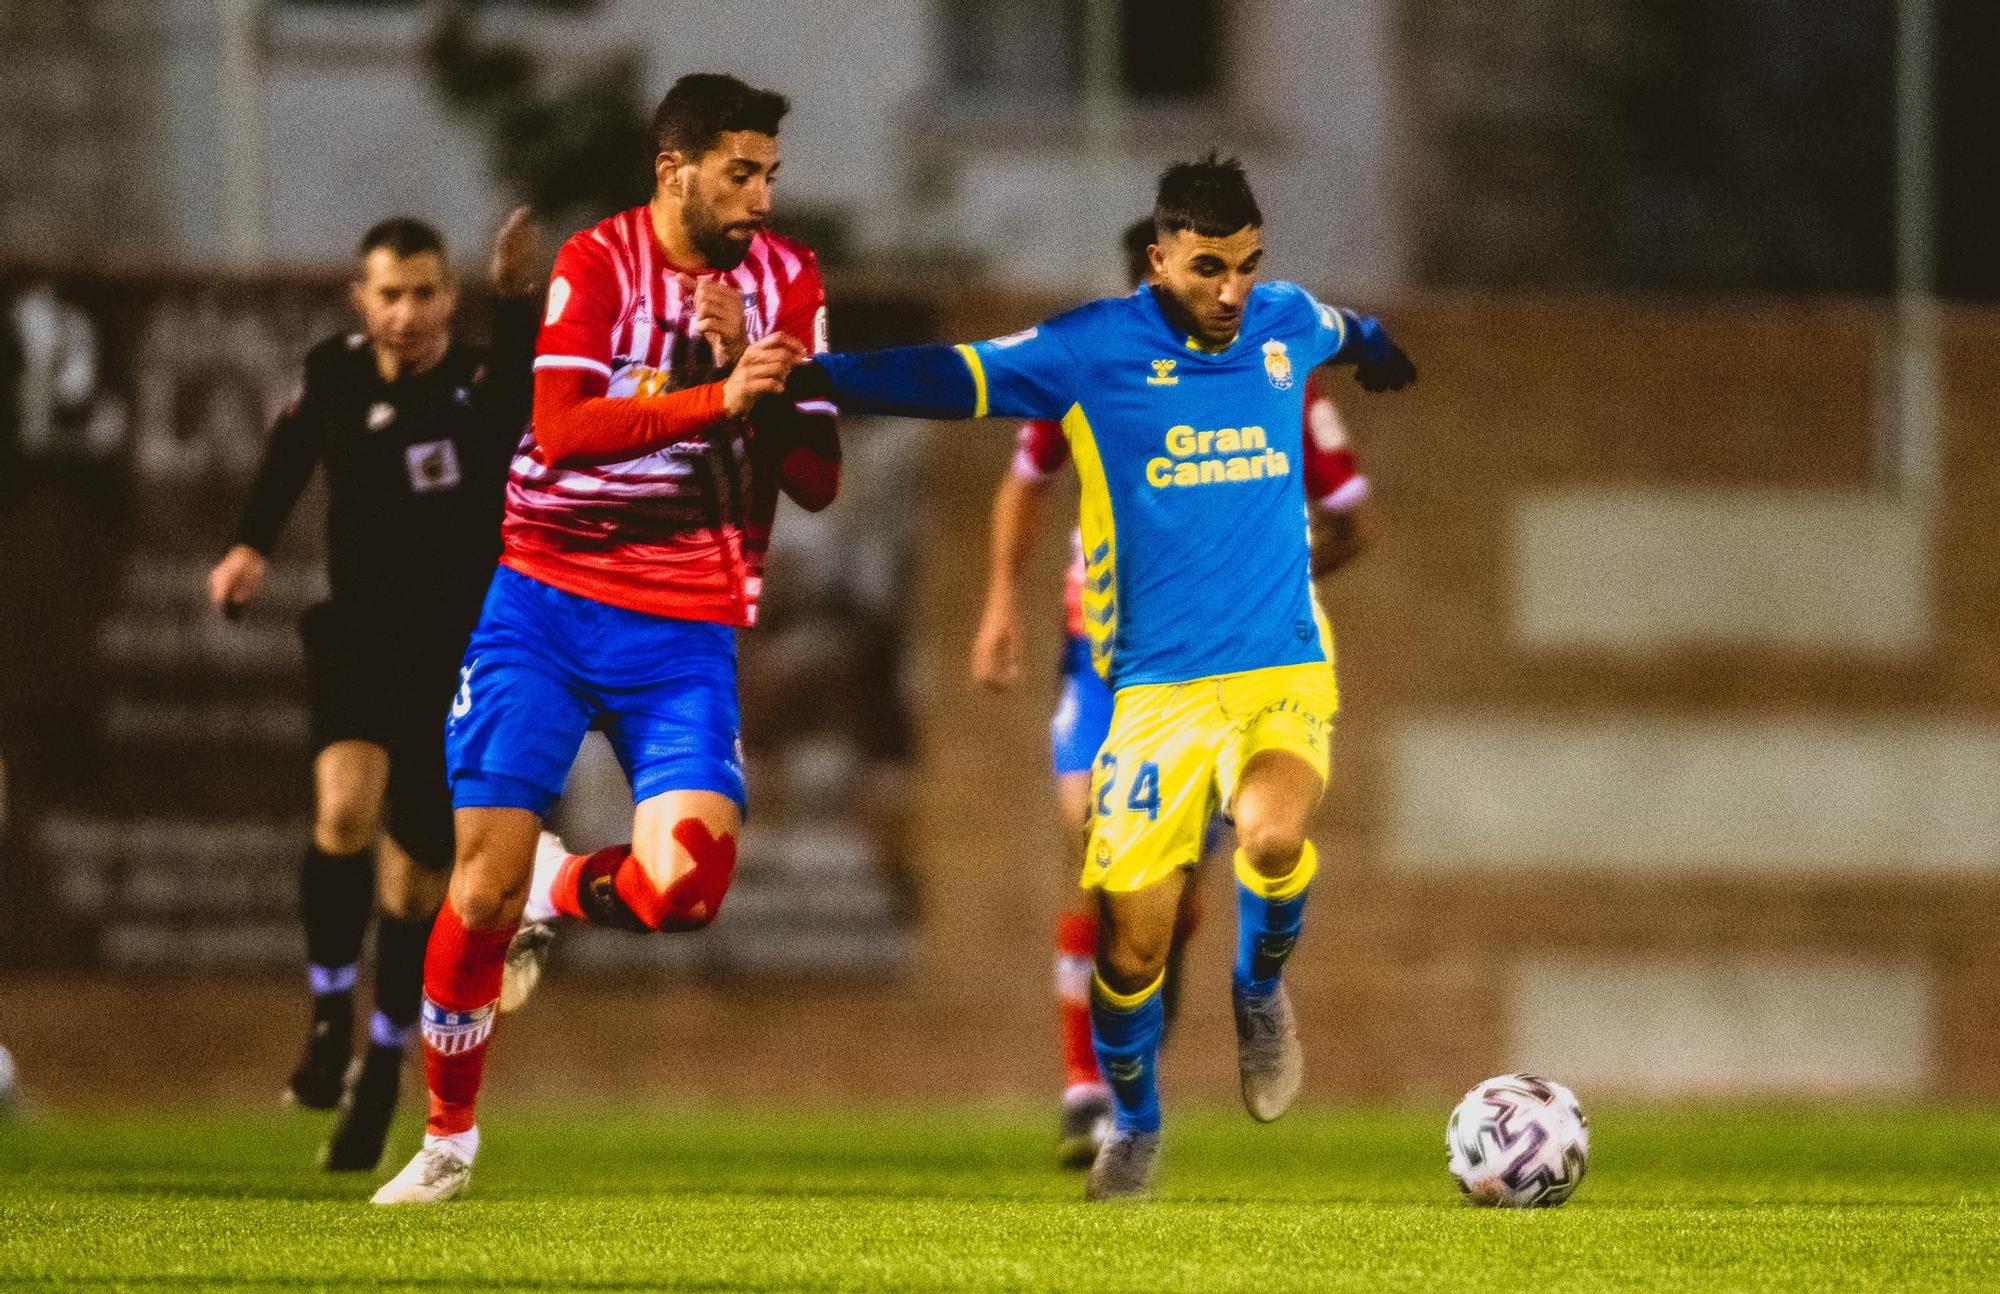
(667, 171)
(357, 293)
(1157, 259)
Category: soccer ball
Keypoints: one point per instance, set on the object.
(1518, 1141)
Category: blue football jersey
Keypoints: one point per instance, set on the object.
(1191, 463)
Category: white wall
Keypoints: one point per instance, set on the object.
(1323, 75)
(351, 132)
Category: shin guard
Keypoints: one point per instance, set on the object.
(1270, 911)
(1127, 1027)
(462, 971)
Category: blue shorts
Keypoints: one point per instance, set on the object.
(1083, 714)
(545, 666)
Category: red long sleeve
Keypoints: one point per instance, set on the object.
(810, 476)
(576, 422)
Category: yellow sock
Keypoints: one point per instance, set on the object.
(1279, 888)
(1111, 997)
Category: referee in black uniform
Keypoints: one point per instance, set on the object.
(414, 430)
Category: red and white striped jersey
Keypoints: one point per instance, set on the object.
(681, 531)
(1333, 479)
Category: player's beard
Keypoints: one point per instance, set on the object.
(1216, 327)
(712, 238)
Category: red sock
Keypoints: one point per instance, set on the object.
(613, 888)
(580, 871)
(1076, 960)
(462, 971)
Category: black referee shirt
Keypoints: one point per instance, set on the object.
(416, 470)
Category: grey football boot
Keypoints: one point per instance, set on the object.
(1124, 1167)
(1268, 1055)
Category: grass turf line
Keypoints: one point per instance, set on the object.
(1721, 1199)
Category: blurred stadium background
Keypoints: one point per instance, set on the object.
(1670, 759)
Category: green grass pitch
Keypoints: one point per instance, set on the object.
(1725, 1199)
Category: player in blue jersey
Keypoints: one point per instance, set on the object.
(1335, 489)
(1183, 407)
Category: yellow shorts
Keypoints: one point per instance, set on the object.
(1175, 753)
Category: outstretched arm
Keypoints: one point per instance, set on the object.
(908, 381)
(575, 421)
(1379, 363)
(1031, 374)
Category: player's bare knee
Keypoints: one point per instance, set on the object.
(411, 896)
(1129, 964)
(484, 902)
(1271, 848)
(346, 826)
(486, 892)
(703, 864)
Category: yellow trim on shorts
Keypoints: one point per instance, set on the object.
(1279, 888)
(971, 357)
(1186, 745)
(1126, 1001)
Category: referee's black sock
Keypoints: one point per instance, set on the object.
(399, 977)
(336, 894)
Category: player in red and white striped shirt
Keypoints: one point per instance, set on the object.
(1334, 486)
(638, 512)
(691, 512)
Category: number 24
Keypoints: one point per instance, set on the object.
(1144, 794)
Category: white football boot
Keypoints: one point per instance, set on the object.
(528, 952)
(440, 1171)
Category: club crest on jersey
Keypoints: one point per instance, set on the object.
(647, 383)
(1163, 373)
(1277, 365)
(753, 314)
(432, 466)
(380, 414)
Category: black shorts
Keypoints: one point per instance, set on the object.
(389, 681)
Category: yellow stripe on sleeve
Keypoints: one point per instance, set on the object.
(1341, 320)
(971, 357)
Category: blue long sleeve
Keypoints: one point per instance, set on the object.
(1367, 341)
(909, 381)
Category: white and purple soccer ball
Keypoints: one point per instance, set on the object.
(1519, 1142)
